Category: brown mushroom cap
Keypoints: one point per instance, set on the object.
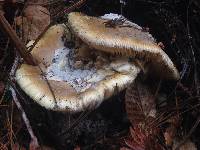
(126, 41)
(31, 79)
(44, 50)
(33, 83)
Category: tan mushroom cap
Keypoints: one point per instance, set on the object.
(126, 41)
(43, 51)
(31, 80)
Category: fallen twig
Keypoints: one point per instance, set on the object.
(7, 29)
(71, 8)
(34, 141)
(65, 11)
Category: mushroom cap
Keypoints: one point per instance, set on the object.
(123, 40)
(43, 51)
(31, 79)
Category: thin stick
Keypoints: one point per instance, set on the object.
(25, 119)
(71, 8)
(7, 29)
(34, 140)
(65, 11)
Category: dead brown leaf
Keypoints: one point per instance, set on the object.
(140, 102)
(36, 18)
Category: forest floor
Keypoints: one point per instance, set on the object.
(174, 24)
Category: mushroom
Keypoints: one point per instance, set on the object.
(125, 41)
(82, 88)
(62, 95)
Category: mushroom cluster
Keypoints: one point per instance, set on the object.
(106, 59)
